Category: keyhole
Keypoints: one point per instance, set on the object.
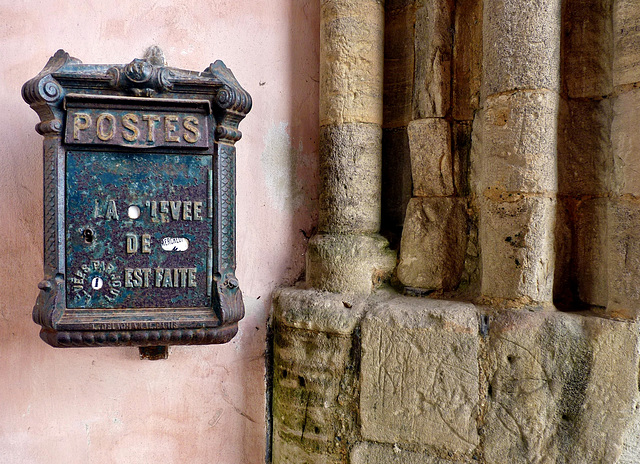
(88, 235)
(97, 283)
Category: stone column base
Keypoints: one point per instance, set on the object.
(349, 263)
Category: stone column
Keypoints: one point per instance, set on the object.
(347, 254)
(518, 173)
(623, 225)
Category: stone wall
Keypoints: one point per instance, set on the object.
(509, 333)
(396, 379)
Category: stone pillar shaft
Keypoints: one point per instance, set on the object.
(347, 255)
(351, 72)
(434, 236)
(518, 176)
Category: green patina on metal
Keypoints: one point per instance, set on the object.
(139, 225)
(139, 202)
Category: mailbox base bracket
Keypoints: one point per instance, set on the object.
(201, 336)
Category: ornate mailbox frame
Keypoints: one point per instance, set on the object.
(217, 103)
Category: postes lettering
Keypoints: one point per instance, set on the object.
(136, 129)
(95, 276)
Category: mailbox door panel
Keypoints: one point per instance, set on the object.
(139, 230)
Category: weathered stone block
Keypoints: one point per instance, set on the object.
(308, 379)
(626, 36)
(624, 257)
(324, 312)
(433, 245)
(559, 391)
(476, 153)
(352, 63)
(520, 142)
(431, 164)
(284, 452)
(588, 48)
(462, 136)
(585, 160)
(398, 63)
(470, 281)
(516, 238)
(521, 45)
(625, 139)
(467, 59)
(419, 373)
(433, 54)
(373, 453)
(350, 169)
(348, 263)
(631, 443)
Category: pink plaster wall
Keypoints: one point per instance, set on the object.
(203, 404)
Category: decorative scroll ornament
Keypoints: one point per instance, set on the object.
(43, 93)
(232, 98)
(142, 78)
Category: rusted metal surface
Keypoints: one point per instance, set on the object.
(138, 228)
(139, 180)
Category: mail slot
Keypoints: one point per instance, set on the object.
(139, 202)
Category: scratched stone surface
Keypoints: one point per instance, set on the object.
(559, 389)
(434, 240)
(419, 373)
(631, 443)
(623, 253)
(374, 453)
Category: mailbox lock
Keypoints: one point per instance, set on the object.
(87, 234)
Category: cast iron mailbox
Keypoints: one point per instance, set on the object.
(139, 202)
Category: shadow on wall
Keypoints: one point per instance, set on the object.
(289, 159)
(585, 158)
(304, 73)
